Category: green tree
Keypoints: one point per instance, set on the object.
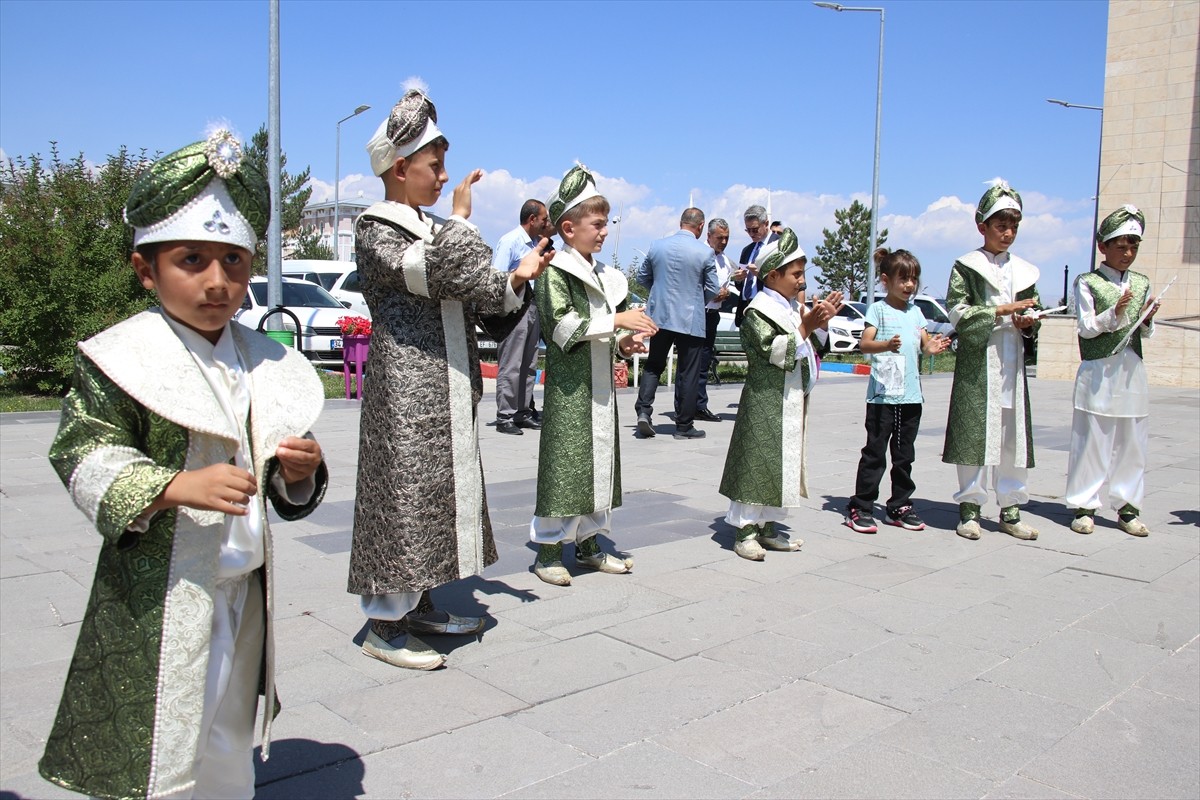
(64, 261)
(308, 244)
(292, 188)
(631, 274)
(842, 257)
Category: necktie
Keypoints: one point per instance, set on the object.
(751, 285)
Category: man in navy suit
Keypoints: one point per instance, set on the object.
(759, 229)
(681, 273)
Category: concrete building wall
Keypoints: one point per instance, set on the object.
(1150, 157)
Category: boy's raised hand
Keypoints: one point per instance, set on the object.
(1123, 301)
(298, 458)
(635, 319)
(533, 264)
(461, 201)
(219, 487)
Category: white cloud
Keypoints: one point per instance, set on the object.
(1055, 230)
(355, 186)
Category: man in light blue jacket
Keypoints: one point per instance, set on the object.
(680, 272)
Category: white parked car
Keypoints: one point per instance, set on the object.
(339, 278)
(317, 310)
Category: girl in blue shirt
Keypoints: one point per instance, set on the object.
(894, 336)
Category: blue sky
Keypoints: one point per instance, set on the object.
(665, 101)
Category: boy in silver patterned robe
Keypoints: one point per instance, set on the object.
(420, 514)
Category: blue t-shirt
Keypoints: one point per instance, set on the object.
(888, 322)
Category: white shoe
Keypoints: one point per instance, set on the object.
(604, 562)
(750, 548)
(454, 624)
(1084, 523)
(780, 542)
(415, 654)
(968, 529)
(1019, 530)
(1135, 527)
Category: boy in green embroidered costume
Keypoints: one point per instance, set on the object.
(989, 431)
(177, 423)
(765, 466)
(1110, 430)
(583, 306)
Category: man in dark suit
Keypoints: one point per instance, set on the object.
(681, 273)
(759, 229)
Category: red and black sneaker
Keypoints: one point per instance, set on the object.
(860, 521)
(905, 517)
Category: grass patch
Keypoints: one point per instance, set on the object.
(13, 400)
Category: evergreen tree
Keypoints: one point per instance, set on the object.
(292, 188)
(308, 244)
(64, 262)
(842, 257)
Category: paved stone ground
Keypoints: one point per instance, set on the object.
(895, 665)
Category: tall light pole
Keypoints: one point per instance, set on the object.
(875, 173)
(1099, 153)
(337, 179)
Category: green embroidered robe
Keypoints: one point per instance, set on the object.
(973, 434)
(579, 460)
(138, 412)
(766, 462)
(1105, 295)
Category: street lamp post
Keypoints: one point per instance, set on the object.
(875, 172)
(337, 179)
(1096, 212)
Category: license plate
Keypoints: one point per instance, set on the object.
(335, 344)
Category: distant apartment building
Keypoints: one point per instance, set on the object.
(320, 217)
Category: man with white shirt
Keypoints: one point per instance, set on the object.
(516, 354)
(718, 240)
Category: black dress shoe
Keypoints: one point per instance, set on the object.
(706, 415)
(645, 428)
(690, 433)
(508, 426)
(528, 423)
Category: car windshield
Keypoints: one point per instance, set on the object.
(298, 293)
(852, 310)
(931, 311)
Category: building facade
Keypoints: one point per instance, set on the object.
(320, 217)
(1150, 157)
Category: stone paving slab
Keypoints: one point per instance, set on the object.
(641, 770)
(1079, 667)
(1142, 745)
(908, 672)
(985, 729)
(780, 733)
(903, 664)
(878, 771)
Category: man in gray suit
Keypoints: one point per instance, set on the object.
(681, 273)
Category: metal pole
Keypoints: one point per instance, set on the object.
(337, 179)
(274, 229)
(1099, 156)
(875, 172)
(1096, 213)
(870, 288)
